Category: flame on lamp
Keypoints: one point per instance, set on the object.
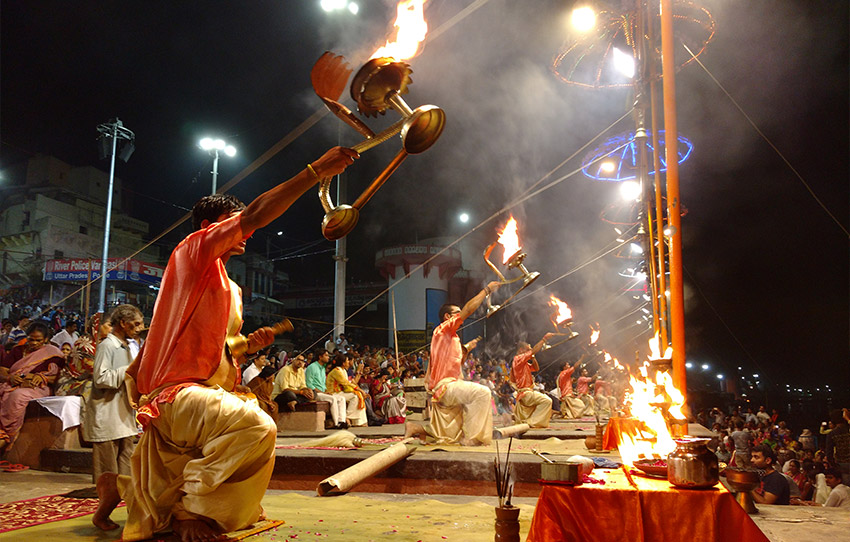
(594, 334)
(509, 239)
(411, 25)
(655, 348)
(564, 312)
(652, 400)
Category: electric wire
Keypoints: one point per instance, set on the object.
(769, 142)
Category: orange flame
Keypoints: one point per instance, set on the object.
(411, 25)
(655, 348)
(509, 239)
(652, 400)
(594, 334)
(564, 312)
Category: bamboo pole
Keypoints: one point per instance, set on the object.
(674, 213)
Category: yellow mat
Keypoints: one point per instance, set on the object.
(346, 517)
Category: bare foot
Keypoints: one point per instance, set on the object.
(415, 430)
(291, 405)
(263, 516)
(108, 499)
(195, 530)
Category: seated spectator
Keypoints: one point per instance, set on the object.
(255, 367)
(18, 335)
(839, 495)
(337, 383)
(262, 387)
(75, 378)
(5, 330)
(26, 373)
(290, 386)
(808, 482)
(316, 376)
(68, 335)
(774, 487)
(387, 401)
(807, 440)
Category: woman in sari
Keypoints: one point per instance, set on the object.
(26, 373)
(337, 382)
(388, 401)
(75, 378)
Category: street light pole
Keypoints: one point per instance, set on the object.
(213, 146)
(215, 172)
(113, 129)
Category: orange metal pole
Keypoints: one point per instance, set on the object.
(661, 268)
(671, 137)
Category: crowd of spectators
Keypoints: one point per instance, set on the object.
(797, 467)
(48, 351)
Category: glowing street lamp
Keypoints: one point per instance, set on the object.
(214, 146)
(463, 217)
(583, 19)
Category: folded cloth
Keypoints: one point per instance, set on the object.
(66, 408)
(604, 463)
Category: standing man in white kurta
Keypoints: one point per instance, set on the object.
(109, 422)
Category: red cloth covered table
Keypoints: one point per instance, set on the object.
(657, 512)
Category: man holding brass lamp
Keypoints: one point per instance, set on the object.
(460, 410)
(206, 456)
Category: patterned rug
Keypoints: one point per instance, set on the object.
(31, 512)
(20, 514)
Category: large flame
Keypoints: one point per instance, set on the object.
(652, 400)
(564, 312)
(655, 348)
(594, 334)
(411, 25)
(509, 239)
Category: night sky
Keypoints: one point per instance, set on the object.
(766, 268)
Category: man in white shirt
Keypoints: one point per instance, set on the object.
(342, 344)
(109, 421)
(254, 369)
(839, 496)
(67, 335)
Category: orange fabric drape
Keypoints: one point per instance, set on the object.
(657, 512)
(617, 426)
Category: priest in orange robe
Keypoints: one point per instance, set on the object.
(207, 453)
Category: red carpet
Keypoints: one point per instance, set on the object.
(20, 514)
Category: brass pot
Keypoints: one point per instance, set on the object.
(692, 465)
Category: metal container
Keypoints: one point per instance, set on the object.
(560, 471)
(692, 465)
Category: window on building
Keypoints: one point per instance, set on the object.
(84, 230)
(26, 221)
(58, 254)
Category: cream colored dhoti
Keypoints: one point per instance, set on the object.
(209, 454)
(462, 414)
(572, 407)
(533, 408)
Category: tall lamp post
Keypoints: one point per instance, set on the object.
(213, 146)
(110, 132)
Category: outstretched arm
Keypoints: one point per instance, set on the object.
(473, 304)
(273, 203)
(540, 344)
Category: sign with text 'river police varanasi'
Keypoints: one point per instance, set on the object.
(78, 269)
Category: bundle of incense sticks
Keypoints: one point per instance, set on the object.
(504, 476)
